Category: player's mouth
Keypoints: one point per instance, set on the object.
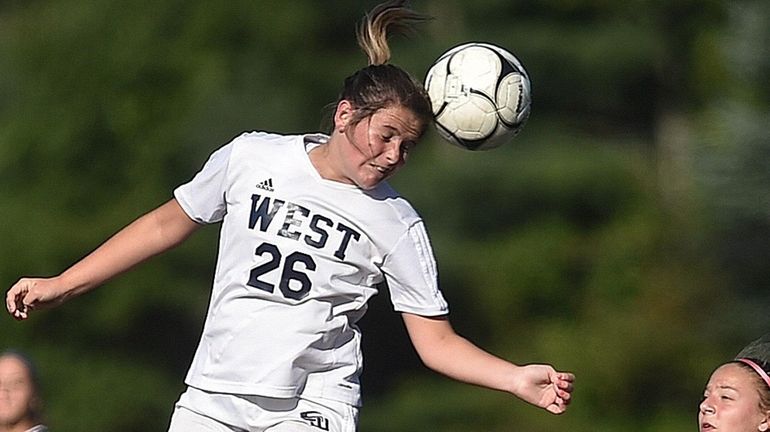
(707, 427)
(383, 170)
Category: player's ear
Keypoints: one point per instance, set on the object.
(343, 115)
(765, 424)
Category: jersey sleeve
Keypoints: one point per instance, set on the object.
(203, 197)
(411, 275)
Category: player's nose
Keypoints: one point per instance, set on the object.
(393, 151)
(706, 407)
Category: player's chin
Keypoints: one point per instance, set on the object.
(368, 185)
(371, 181)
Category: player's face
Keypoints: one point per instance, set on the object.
(16, 391)
(731, 402)
(378, 146)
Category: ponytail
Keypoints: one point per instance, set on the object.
(373, 31)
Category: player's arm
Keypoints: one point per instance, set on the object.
(448, 353)
(155, 232)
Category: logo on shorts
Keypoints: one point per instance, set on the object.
(315, 419)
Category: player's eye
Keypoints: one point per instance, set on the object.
(14, 384)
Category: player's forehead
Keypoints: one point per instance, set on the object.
(729, 377)
(399, 120)
(13, 368)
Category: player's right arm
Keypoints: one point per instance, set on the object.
(446, 352)
(155, 232)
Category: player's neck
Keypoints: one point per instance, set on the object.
(321, 159)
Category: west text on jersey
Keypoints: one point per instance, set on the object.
(297, 221)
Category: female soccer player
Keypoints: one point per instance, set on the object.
(737, 396)
(309, 230)
(20, 403)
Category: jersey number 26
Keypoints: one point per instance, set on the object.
(294, 283)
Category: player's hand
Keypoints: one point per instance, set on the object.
(544, 387)
(32, 293)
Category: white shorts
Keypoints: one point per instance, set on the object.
(198, 411)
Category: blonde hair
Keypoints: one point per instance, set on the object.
(381, 84)
(372, 32)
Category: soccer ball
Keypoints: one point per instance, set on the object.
(480, 95)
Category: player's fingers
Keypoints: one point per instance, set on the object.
(562, 387)
(558, 407)
(20, 315)
(563, 380)
(565, 385)
(23, 297)
(15, 294)
(10, 302)
(560, 378)
(566, 377)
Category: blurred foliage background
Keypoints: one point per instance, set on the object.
(623, 235)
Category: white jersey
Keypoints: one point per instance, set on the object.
(299, 257)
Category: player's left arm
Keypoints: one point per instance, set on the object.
(155, 232)
(440, 348)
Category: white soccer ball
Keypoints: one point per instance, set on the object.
(480, 95)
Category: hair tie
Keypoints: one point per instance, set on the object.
(756, 367)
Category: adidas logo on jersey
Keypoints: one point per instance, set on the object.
(266, 185)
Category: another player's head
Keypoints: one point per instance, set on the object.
(382, 111)
(737, 396)
(20, 402)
